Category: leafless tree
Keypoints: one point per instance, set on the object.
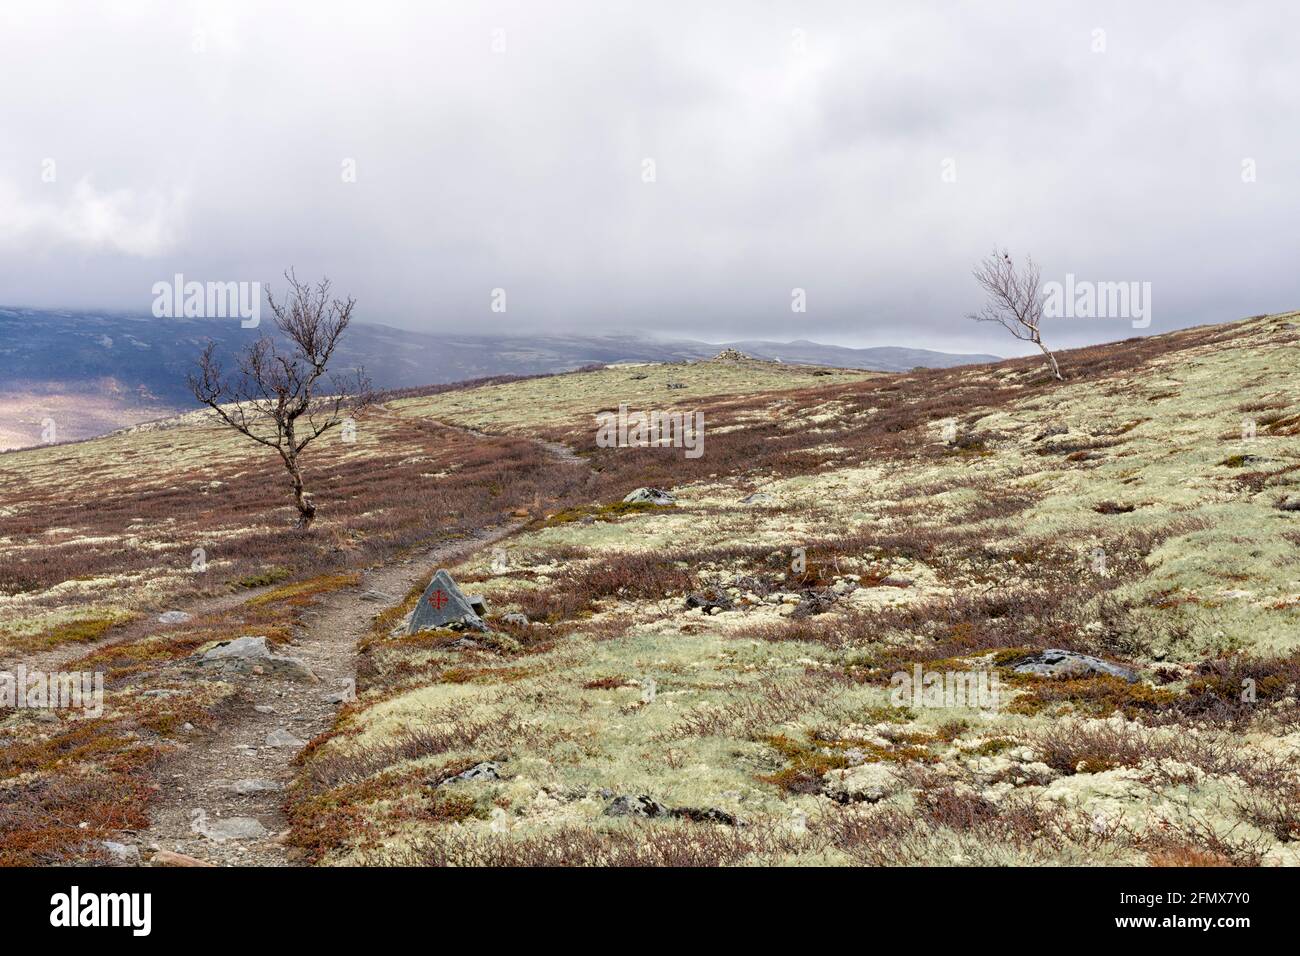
(1014, 299)
(273, 398)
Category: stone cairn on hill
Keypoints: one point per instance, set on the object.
(730, 355)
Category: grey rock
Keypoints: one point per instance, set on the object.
(812, 603)
(514, 617)
(122, 853)
(629, 805)
(244, 654)
(173, 617)
(231, 828)
(477, 604)
(282, 738)
(707, 815)
(339, 696)
(443, 604)
(1055, 662)
(757, 498)
(652, 496)
(487, 770)
(251, 785)
(715, 600)
(377, 596)
(868, 783)
(1290, 503)
(264, 708)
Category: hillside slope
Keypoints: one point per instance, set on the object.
(839, 530)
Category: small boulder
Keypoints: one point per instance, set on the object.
(757, 498)
(251, 785)
(1055, 662)
(707, 815)
(123, 854)
(487, 770)
(230, 828)
(651, 496)
(868, 783)
(444, 605)
(282, 738)
(629, 805)
(1290, 503)
(246, 655)
(515, 618)
(709, 601)
(173, 617)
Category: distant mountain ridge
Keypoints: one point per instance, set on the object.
(152, 356)
(135, 365)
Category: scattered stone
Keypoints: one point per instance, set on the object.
(868, 783)
(676, 385)
(264, 708)
(712, 601)
(515, 618)
(122, 853)
(653, 496)
(246, 655)
(629, 805)
(487, 770)
(1290, 503)
(640, 805)
(168, 858)
(282, 738)
(813, 602)
(757, 498)
(378, 596)
(707, 815)
(173, 617)
(444, 605)
(1054, 662)
(340, 696)
(230, 828)
(252, 785)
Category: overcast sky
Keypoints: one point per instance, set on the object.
(794, 145)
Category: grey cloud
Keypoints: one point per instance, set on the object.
(775, 169)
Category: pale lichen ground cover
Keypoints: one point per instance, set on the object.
(789, 726)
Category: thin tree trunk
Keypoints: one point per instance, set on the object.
(1051, 360)
(306, 510)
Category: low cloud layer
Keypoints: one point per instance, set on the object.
(423, 155)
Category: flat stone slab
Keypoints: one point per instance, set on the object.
(1054, 662)
(651, 496)
(443, 604)
(246, 655)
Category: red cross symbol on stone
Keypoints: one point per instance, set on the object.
(438, 599)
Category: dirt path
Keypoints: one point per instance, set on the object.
(200, 785)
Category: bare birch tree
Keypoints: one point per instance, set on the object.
(274, 398)
(1014, 300)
